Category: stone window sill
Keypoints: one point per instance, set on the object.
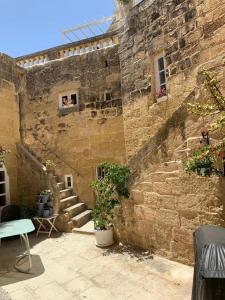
(162, 99)
(68, 109)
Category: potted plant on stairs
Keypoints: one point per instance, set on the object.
(109, 192)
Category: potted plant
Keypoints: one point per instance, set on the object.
(45, 211)
(40, 206)
(45, 195)
(50, 205)
(3, 153)
(109, 191)
(50, 165)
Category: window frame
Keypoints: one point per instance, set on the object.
(99, 168)
(66, 181)
(68, 94)
(158, 84)
(108, 93)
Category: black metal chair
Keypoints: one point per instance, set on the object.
(10, 213)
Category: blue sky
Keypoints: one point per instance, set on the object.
(27, 26)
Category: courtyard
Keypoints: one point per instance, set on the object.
(70, 266)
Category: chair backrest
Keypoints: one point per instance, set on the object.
(10, 213)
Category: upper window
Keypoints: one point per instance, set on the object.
(160, 76)
(69, 99)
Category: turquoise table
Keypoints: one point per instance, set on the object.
(22, 228)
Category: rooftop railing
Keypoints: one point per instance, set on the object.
(72, 49)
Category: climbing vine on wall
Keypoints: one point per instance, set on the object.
(209, 157)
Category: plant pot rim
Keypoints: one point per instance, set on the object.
(103, 229)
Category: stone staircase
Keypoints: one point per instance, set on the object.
(73, 213)
(166, 206)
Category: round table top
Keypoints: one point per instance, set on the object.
(16, 227)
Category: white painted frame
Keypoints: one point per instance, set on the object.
(6, 182)
(66, 181)
(68, 94)
(157, 72)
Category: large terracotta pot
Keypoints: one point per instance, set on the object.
(104, 238)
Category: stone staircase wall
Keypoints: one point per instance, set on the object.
(166, 207)
(72, 212)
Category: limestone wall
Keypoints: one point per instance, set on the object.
(189, 33)
(163, 212)
(81, 138)
(11, 86)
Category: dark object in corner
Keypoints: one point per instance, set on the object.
(10, 213)
(209, 271)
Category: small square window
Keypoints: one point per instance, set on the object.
(100, 172)
(68, 100)
(108, 96)
(69, 181)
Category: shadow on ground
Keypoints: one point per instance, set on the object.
(131, 251)
(10, 249)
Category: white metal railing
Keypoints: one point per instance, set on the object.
(79, 49)
(185, 147)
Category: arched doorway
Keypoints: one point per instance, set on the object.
(4, 186)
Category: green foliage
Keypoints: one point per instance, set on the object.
(108, 191)
(46, 192)
(209, 157)
(200, 159)
(49, 164)
(119, 176)
(216, 108)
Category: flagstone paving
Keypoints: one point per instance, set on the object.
(71, 267)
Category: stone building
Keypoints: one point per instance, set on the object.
(120, 97)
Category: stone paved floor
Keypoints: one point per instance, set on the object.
(71, 267)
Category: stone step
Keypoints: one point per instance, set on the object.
(169, 166)
(67, 202)
(146, 186)
(61, 185)
(87, 228)
(162, 175)
(75, 209)
(65, 193)
(82, 218)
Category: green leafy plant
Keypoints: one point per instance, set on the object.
(3, 153)
(109, 191)
(118, 175)
(46, 192)
(49, 164)
(214, 108)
